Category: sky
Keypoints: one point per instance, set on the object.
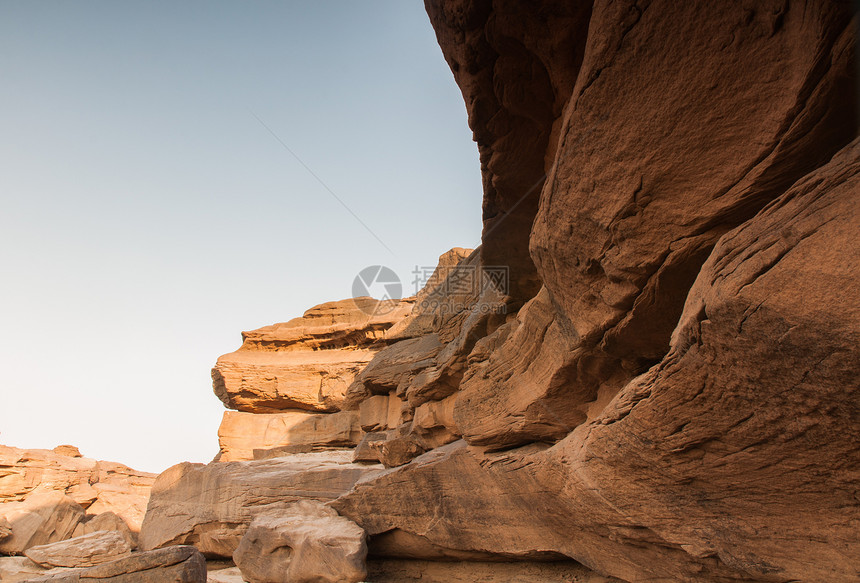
(173, 173)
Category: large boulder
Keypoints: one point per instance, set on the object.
(306, 542)
(40, 519)
(211, 506)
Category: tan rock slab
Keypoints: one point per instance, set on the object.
(211, 506)
(183, 564)
(83, 551)
(241, 433)
(39, 520)
(433, 424)
(307, 542)
(226, 575)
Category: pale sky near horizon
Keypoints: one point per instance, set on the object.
(148, 217)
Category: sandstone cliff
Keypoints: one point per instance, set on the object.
(664, 385)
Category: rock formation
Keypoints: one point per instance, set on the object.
(66, 512)
(97, 486)
(648, 371)
(177, 564)
(298, 373)
(248, 436)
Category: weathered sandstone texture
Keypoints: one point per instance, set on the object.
(288, 382)
(40, 519)
(406, 571)
(677, 398)
(18, 568)
(176, 564)
(306, 542)
(308, 362)
(211, 506)
(82, 551)
(98, 486)
(242, 434)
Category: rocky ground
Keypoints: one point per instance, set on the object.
(662, 385)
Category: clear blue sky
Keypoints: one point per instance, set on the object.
(148, 217)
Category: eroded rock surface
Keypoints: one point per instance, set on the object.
(241, 434)
(176, 564)
(98, 486)
(211, 506)
(308, 362)
(689, 337)
(306, 542)
(664, 384)
(734, 427)
(83, 551)
(40, 519)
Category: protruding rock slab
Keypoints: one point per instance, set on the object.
(176, 564)
(41, 519)
(518, 389)
(211, 506)
(453, 502)
(307, 542)
(182, 564)
(82, 551)
(308, 362)
(16, 569)
(241, 433)
(719, 463)
(5, 528)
